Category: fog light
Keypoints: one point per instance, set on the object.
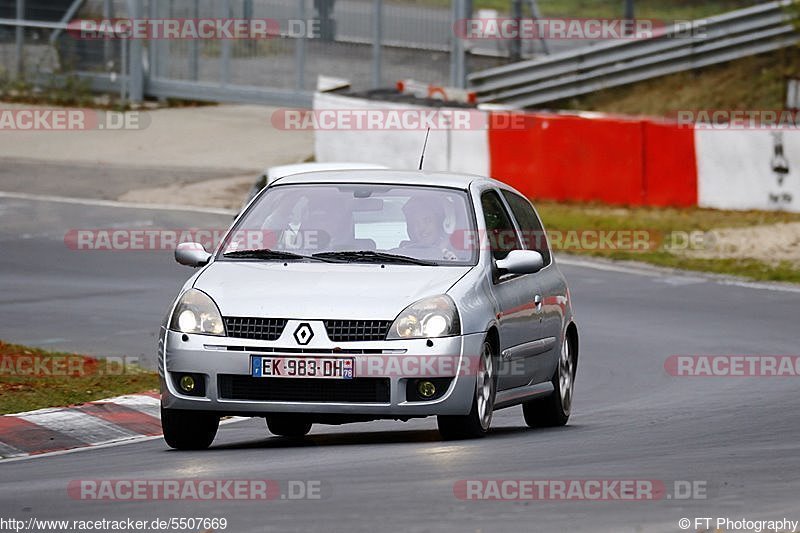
(187, 383)
(426, 389)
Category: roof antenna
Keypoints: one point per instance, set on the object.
(424, 146)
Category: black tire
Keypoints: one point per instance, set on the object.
(476, 424)
(554, 410)
(188, 430)
(285, 426)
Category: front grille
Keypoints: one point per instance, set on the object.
(264, 329)
(357, 330)
(356, 390)
(270, 329)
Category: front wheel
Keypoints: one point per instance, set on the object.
(477, 422)
(554, 410)
(188, 430)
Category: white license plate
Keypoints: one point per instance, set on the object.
(302, 367)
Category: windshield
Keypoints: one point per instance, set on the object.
(355, 223)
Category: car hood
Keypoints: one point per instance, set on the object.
(354, 291)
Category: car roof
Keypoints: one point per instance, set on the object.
(399, 177)
(297, 168)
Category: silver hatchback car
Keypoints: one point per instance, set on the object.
(356, 295)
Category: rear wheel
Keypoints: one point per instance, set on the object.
(477, 422)
(188, 430)
(554, 410)
(284, 426)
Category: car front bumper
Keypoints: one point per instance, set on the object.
(395, 362)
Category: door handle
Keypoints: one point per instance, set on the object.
(537, 302)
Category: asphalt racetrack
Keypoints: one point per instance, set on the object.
(738, 438)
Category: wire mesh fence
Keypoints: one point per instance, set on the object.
(367, 43)
(330, 38)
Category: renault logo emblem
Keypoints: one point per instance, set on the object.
(303, 334)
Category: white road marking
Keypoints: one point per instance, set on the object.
(84, 448)
(114, 203)
(9, 451)
(52, 340)
(680, 281)
(672, 279)
(760, 286)
(608, 267)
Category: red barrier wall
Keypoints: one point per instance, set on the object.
(607, 159)
(670, 177)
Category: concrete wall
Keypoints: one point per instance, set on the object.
(457, 151)
(738, 169)
(586, 157)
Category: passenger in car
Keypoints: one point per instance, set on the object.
(425, 228)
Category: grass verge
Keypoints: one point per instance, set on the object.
(755, 82)
(667, 228)
(31, 378)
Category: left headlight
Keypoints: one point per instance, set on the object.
(426, 319)
(196, 312)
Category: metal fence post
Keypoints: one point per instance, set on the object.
(537, 15)
(629, 9)
(124, 77)
(152, 46)
(377, 44)
(162, 45)
(135, 73)
(194, 52)
(515, 46)
(107, 15)
(300, 49)
(225, 49)
(457, 51)
(20, 40)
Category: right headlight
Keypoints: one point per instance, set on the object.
(426, 319)
(196, 312)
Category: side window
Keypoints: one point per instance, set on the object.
(502, 236)
(533, 234)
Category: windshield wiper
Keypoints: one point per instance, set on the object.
(267, 254)
(374, 257)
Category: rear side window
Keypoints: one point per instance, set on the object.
(502, 236)
(533, 234)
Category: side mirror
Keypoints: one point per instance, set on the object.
(521, 262)
(191, 254)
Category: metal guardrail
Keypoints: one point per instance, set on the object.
(732, 35)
